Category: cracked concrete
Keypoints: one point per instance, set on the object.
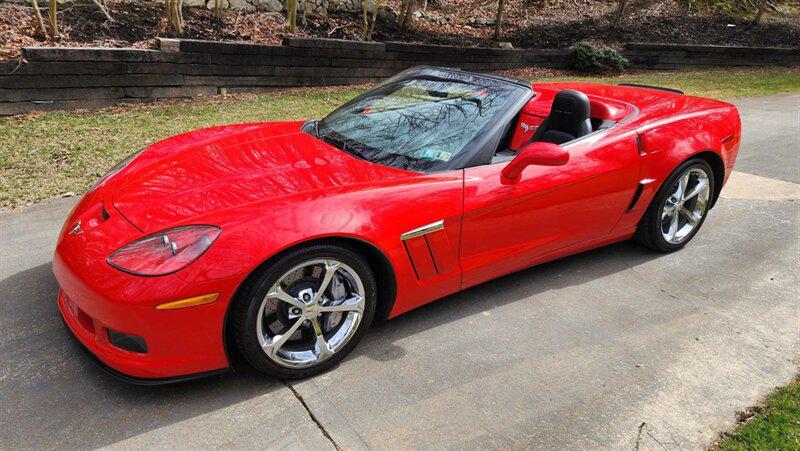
(618, 347)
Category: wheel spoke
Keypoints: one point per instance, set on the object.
(693, 217)
(683, 183)
(668, 210)
(272, 346)
(330, 270)
(277, 292)
(701, 186)
(321, 348)
(355, 303)
(673, 226)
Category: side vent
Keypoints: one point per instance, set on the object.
(639, 145)
(637, 194)
(429, 251)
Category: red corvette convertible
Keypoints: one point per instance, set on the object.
(283, 241)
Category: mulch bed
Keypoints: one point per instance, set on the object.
(549, 24)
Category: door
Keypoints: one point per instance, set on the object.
(508, 225)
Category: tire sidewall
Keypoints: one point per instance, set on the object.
(249, 302)
(661, 200)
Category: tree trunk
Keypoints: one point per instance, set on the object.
(38, 13)
(103, 10)
(365, 18)
(762, 6)
(174, 9)
(52, 10)
(291, 15)
(305, 12)
(498, 23)
(374, 20)
(620, 11)
(406, 13)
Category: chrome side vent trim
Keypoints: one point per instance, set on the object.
(432, 227)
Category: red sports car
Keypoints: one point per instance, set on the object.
(284, 241)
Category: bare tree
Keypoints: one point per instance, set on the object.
(620, 12)
(407, 9)
(369, 19)
(52, 23)
(102, 6)
(761, 8)
(291, 15)
(498, 23)
(38, 13)
(174, 12)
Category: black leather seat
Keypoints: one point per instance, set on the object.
(569, 119)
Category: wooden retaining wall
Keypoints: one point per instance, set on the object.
(53, 78)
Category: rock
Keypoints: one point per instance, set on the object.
(505, 45)
(349, 6)
(388, 14)
(194, 3)
(481, 22)
(222, 4)
(241, 5)
(268, 5)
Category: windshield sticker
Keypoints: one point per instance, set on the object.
(432, 154)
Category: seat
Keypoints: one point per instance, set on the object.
(569, 119)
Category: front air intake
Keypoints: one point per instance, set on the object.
(127, 342)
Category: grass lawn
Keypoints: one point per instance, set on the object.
(48, 155)
(776, 425)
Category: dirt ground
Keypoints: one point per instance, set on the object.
(544, 24)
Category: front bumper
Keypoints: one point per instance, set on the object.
(94, 297)
(138, 380)
(179, 342)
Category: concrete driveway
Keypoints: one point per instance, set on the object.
(619, 347)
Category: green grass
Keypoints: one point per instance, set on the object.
(43, 156)
(776, 426)
(729, 83)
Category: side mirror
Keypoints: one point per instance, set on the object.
(538, 153)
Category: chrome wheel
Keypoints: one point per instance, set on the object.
(685, 206)
(310, 313)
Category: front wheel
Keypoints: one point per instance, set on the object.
(305, 312)
(679, 208)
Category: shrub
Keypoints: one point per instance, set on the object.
(588, 58)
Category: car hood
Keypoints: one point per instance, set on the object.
(216, 169)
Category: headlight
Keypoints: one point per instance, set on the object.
(164, 252)
(119, 166)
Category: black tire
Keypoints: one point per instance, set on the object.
(250, 296)
(648, 232)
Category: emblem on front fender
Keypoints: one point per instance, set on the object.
(76, 229)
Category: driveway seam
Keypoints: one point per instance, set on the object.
(312, 416)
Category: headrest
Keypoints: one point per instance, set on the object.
(570, 112)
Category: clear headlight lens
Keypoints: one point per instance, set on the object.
(164, 252)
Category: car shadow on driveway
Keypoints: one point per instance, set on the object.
(51, 383)
(380, 344)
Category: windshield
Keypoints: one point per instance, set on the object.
(419, 123)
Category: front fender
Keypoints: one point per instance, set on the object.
(377, 215)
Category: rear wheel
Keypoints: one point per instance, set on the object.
(304, 313)
(679, 208)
